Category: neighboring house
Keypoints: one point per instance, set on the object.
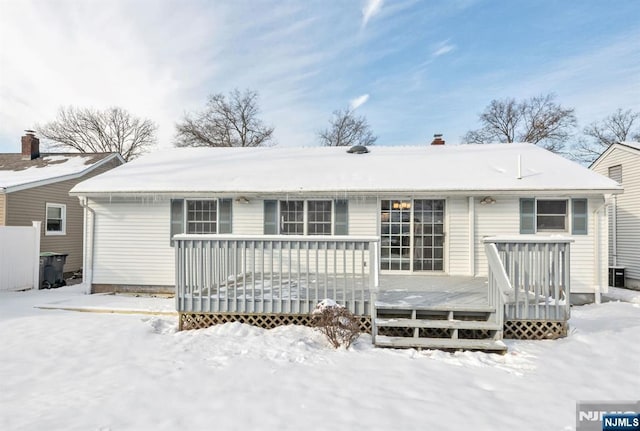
(431, 206)
(621, 162)
(35, 187)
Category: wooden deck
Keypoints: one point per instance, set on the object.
(436, 291)
(435, 311)
(278, 278)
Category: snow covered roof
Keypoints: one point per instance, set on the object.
(16, 173)
(472, 168)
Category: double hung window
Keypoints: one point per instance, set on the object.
(310, 217)
(56, 219)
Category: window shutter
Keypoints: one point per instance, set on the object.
(270, 217)
(177, 217)
(579, 216)
(225, 216)
(527, 216)
(341, 226)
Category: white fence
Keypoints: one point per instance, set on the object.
(19, 256)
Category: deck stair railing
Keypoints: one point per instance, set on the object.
(273, 273)
(532, 274)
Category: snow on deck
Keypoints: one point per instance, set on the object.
(491, 167)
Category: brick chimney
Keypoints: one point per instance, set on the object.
(30, 146)
(437, 139)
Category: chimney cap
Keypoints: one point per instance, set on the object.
(437, 139)
(30, 132)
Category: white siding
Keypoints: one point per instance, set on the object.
(363, 217)
(500, 218)
(132, 244)
(457, 236)
(628, 210)
(132, 238)
(503, 218)
(584, 263)
(248, 219)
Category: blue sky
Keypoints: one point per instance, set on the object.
(413, 68)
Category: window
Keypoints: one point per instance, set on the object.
(299, 217)
(615, 173)
(292, 217)
(204, 216)
(319, 217)
(56, 219)
(552, 215)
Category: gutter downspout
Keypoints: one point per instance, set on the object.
(472, 236)
(87, 273)
(614, 228)
(598, 259)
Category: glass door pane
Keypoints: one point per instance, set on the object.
(395, 232)
(428, 234)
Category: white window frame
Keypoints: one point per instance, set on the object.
(305, 215)
(445, 234)
(567, 218)
(186, 216)
(63, 221)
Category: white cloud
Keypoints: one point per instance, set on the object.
(358, 101)
(443, 48)
(371, 9)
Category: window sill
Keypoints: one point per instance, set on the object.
(55, 233)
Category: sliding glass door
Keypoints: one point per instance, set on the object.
(412, 235)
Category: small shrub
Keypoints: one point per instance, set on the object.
(336, 322)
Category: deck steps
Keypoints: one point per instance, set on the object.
(446, 324)
(443, 344)
(442, 326)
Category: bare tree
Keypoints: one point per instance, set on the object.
(93, 131)
(346, 129)
(537, 120)
(617, 127)
(231, 122)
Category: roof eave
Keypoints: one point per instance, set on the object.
(53, 180)
(449, 192)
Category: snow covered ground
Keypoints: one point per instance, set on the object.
(67, 370)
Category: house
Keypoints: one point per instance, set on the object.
(35, 186)
(621, 162)
(268, 231)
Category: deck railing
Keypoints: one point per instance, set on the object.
(273, 274)
(537, 270)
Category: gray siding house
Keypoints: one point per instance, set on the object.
(621, 162)
(35, 186)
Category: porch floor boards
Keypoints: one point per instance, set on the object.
(432, 292)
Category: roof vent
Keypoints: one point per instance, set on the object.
(358, 149)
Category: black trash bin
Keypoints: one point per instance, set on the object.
(616, 276)
(52, 269)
